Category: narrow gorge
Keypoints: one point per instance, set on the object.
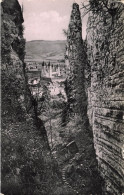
(63, 120)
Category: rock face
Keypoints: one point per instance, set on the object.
(105, 39)
(77, 100)
(26, 159)
(13, 47)
(105, 46)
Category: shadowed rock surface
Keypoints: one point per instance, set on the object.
(105, 50)
(27, 166)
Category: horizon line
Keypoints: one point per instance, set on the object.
(46, 40)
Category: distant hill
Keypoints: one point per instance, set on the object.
(41, 50)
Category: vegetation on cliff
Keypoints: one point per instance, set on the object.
(27, 166)
(47, 139)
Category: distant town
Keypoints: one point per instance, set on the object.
(47, 69)
(45, 73)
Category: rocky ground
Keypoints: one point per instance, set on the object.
(72, 148)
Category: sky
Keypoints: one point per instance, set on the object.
(46, 19)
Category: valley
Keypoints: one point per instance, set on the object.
(62, 101)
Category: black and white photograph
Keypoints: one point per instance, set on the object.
(62, 97)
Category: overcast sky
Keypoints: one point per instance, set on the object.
(45, 19)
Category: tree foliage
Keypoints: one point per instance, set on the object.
(98, 6)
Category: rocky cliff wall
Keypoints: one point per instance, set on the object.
(105, 50)
(12, 53)
(26, 163)
(76, 62)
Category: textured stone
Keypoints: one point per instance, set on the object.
(105, 46)
(23, 133)
(77, 67)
